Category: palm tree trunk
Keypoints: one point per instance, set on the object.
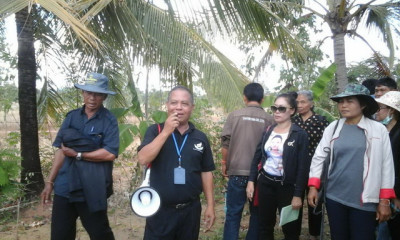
(340, 60)
(31, 173)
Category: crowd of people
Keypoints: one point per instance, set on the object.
(270, 161)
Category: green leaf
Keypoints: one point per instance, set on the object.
(159, 116)
(135, 108)
(322, 81)
(3, 177)
(118, 112)
(143, 125)
(126, 134)
(324, 113)
(268, 101)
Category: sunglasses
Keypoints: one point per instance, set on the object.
(280, 109)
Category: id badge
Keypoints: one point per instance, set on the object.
(179, 175)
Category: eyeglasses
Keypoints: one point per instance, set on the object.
(280, 109)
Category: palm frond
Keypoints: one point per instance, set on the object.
(381, 17)
(9, 7)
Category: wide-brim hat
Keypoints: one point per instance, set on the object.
(391, 99)
(361, 91)
(95, 82)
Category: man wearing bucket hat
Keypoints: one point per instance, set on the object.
(81, 174)
(390, 102)
(360, 174)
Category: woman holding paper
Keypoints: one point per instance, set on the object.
(280, 166)
(361, 173)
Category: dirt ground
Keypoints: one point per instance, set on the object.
(34, 221)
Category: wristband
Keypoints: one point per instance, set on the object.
(384, 199)
(52, 183)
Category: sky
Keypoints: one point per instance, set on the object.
(356, 51)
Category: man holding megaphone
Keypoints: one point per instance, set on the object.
(181, 164)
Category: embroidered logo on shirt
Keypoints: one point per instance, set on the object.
(290, 144)
(198, 147)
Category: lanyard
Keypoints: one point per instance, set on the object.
(178, 151)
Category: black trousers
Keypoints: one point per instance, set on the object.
(314, 220)
(170, 223)
(273, 195)
(65, 214)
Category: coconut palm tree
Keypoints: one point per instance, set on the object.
(344, 18)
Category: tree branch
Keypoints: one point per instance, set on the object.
(362, 8)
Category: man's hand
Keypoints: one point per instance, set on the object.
(383, 211)
(45, 196)
(312, 197)
(296, 203)
(69, 152)
(171, 123)
(250, 190)
(209, 217)
(223, 169)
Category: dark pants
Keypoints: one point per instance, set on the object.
(394, 227)
(65, 214)
(235, 200)
(314, 220)
(350, 223)
(170, 223)
(272, 197)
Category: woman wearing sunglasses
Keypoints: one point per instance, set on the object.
(361, 173)
(390, 113)
(280, 166)
(314, 125)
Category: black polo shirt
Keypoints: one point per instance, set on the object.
(196, 158)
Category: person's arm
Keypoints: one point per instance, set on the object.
(319, 157)
(254, 170)
(317, 164)
(224, 152)
(383, 211)
(99, 155)
(149, 152)
(208, 189)
(45, 196)
(303, 163)
(225, 141)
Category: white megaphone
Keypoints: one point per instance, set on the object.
(145, 201)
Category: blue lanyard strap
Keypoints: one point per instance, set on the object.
(178, 151)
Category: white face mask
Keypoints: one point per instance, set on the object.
(387, 120)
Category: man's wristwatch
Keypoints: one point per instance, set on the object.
(79, 156)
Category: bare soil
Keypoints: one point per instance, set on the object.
(34, 220)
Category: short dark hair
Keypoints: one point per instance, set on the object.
(388, 82)
(254, 92)
(370, 84)
(291, 99)
(367, 110)
(180, 87)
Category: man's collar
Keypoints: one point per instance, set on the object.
(254, 105)
(97, 112)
